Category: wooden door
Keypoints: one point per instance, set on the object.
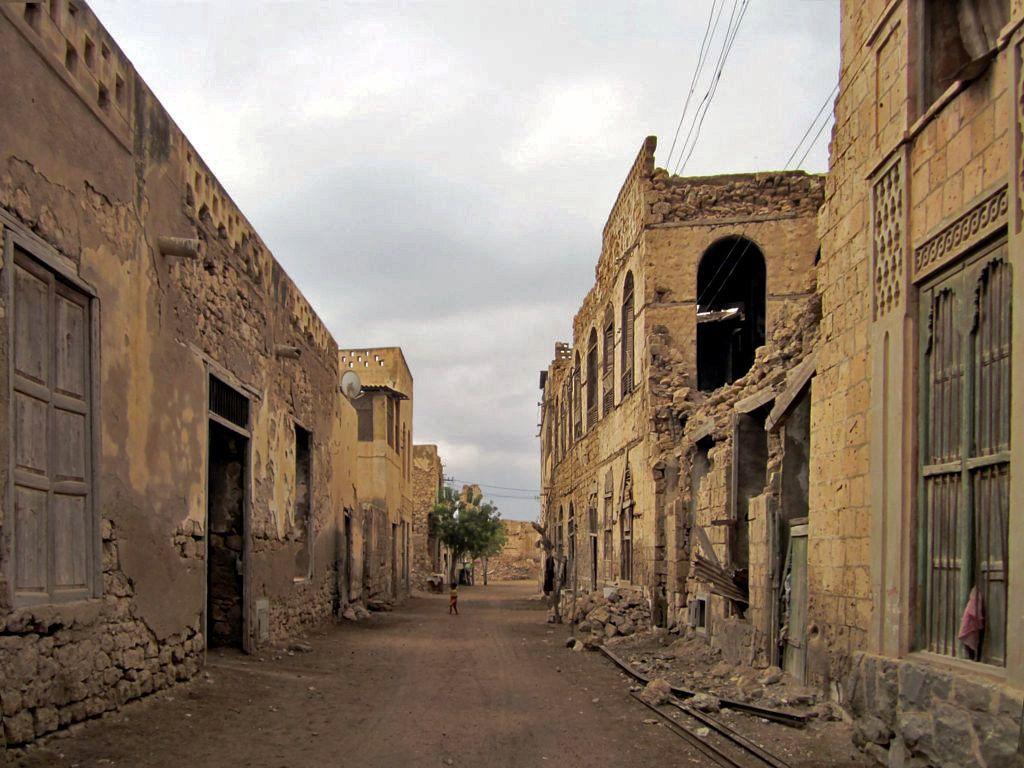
(794, 656)
(51, 383)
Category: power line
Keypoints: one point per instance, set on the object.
(730, 39)
(821, 109)
(702, 56)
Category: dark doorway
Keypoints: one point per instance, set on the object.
(226, 480)
(730, 311)
(394, 560)
(303, 497)
(750, 475)
(347, 576)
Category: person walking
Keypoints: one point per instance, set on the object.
(453, 599)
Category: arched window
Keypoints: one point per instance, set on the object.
(627, 335)
(577, 405)
(608, 362)
(592, 384)
(730, 311)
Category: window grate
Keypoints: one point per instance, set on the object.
(229, 403)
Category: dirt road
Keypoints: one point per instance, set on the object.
(491, 687)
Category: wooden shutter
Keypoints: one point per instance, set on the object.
(627, 338)
(592, 383)
(53, 525)
(608, 363)
(965, 452)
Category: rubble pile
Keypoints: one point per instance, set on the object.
(618, 614)
(513, 570)
(691, 664)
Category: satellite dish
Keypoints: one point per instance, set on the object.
(351, 386)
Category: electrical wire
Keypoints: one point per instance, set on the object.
(821, 109)
(702, 56)
(730, 39)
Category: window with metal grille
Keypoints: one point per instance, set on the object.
(228, 403)
(592, 379)
(608, 363)
(965, 455)
(627, 335)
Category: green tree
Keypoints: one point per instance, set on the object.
(468, 525)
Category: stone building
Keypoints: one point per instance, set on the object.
(911, 421)
(520, 557)
(697, 279)
(381, 531)
(428, 555)
(179, 471)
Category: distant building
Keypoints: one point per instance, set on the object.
(383, 474)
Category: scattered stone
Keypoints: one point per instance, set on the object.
(578, 646)
(300, 647)
(770, 676)
(705, 702)
(657, 692)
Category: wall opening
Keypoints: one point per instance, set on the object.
(958, 39)
(225, 510)
(700, 466)
(791, 552)
(730, 311)
(347, 574)
(394, 560)
(750, 475)
(303, 517)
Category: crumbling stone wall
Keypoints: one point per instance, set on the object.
(166, 322)
(64, 664)
(658, 230)
(520, 557)
(426, 482)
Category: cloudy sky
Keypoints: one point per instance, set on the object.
(436, 175)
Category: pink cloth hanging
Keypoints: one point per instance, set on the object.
(973, 621)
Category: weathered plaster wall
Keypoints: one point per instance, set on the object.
(95, 175)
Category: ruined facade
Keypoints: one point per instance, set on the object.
(179, 469)
(428, 555)
(842, 505)
(382, 531)
(919, 360)
(697, 279)
(520, 557)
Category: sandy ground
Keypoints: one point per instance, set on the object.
(491, 687)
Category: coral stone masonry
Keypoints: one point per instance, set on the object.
(785, 417)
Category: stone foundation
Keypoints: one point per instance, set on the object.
(60, 664)
(913, 713)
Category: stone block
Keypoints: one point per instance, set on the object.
(20, 728)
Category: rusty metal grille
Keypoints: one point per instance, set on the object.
(966, 454)
(229, 403)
